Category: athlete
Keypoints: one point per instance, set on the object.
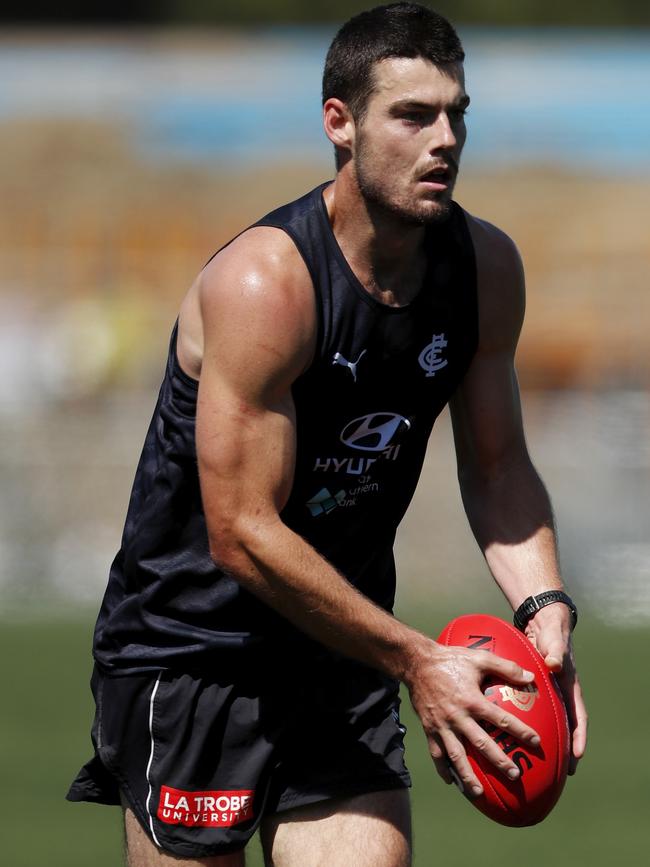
(247, 660)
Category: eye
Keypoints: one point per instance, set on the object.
(417, 118)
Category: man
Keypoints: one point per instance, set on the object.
(247, 660)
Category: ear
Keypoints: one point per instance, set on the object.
(338, 124)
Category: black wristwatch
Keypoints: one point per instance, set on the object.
(533, 603)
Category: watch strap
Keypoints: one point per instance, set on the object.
(533, 603)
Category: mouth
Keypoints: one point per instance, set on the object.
(440, 177)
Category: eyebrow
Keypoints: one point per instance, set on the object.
(417, 105)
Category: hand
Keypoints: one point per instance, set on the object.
(549, 631)
(445, 689)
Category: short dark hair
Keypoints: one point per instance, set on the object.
(396, 30)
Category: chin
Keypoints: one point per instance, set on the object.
(428, 212)
(402, 206)
(421, 216)
(439, 213)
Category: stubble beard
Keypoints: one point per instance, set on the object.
(377, 195)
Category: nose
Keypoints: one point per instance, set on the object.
(444, 137)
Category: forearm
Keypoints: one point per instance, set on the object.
(510, 514)
(290, 576)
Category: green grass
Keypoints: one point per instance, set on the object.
(602, 818)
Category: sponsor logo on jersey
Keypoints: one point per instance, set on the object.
(350, 466)
(324, 502)
(351, 365)
(431, 361)
(211, 809)
(374, 432)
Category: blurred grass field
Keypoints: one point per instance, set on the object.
(602, 818)
(101, 240)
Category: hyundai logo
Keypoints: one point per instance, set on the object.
(374, 432)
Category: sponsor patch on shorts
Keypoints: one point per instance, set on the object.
(213, 809)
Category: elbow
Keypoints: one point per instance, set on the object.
(224, 558)
(236, 545)
(227, 548)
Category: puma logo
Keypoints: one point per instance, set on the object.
(352, 365)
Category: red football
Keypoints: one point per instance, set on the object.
(529, 799)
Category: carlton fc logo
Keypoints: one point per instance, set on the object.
(375, 432)
(430, 358)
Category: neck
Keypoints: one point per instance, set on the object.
(386, 254)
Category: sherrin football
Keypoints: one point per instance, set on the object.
(543, 770)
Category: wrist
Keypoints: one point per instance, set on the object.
(416, 652)
(555, 603)
(551, 617)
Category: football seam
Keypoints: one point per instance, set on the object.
(487, 781)
(544, 674)
(543, 671)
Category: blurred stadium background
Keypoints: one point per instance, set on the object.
(136, 139)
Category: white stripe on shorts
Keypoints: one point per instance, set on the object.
(151, 701)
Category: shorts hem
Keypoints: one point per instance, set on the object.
(342, 788)
(126, 794)
(179, 848)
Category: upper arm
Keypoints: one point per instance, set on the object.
(258, 316)
(485, 409)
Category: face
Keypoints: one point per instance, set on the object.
(407, 148)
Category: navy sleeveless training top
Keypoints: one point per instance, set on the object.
(364, 412)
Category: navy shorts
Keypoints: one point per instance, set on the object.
(201, 759)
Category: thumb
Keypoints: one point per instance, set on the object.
(554, 656)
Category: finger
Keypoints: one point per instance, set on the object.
(579, 726)
(507, 722)
(460, 768)
(483, 743)
(439, 757)
(505, 668)
(576, 713)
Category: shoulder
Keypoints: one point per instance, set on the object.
(256, 295)
(500, 283)
(261, 267)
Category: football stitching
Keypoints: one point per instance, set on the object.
(494, 791)
(446, 637)
(543, 671)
